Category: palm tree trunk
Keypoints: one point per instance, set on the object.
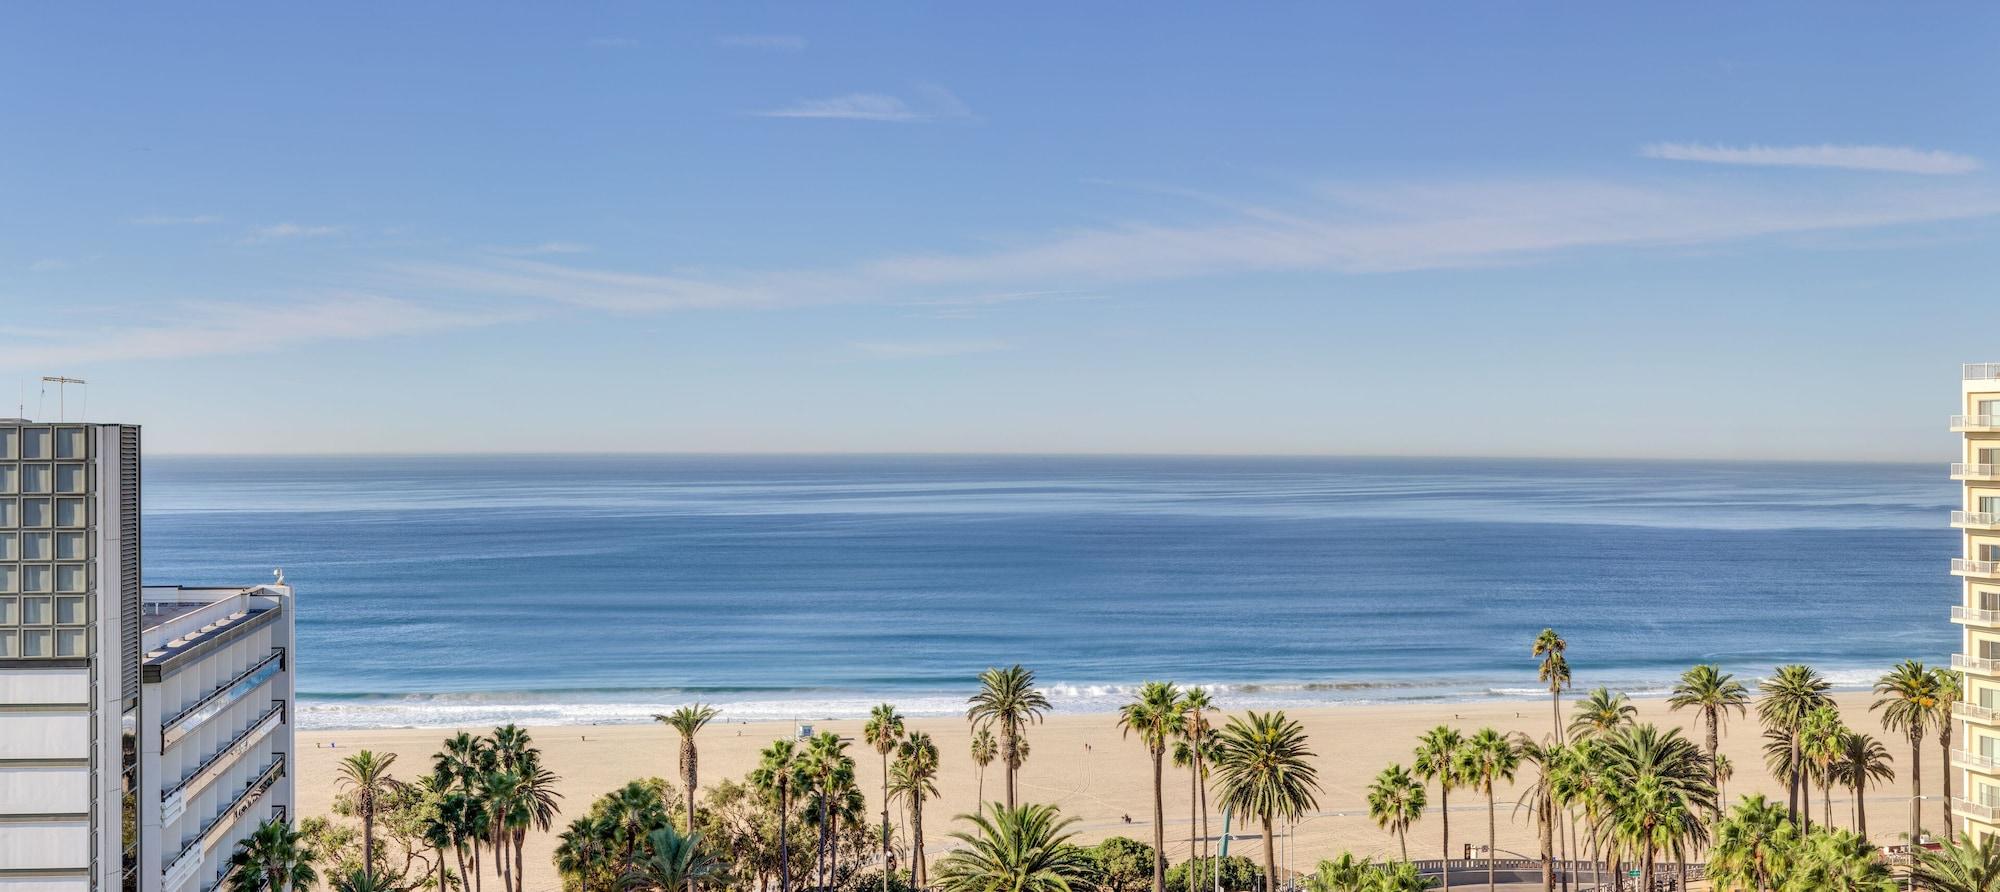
(478, 878)
(1826, 800)
(1200, 773)
(1801, 812)
(1860, 811)
(1403, 842)
(520, 843)
(1194, 785)
(1007, 758)
(1715, 769)
(1805, 798)
(1548, 819)
(1444, 813)
(918, 871)
(368, 832)
(1159, 820)
(885, 815)
(693, 758)
(1944, 757)
(784, 843)
(1646, 869)
(1270, 857)
(1492, 835)
(833, 850)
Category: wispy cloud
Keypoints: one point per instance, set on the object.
(194, 329)
(927, 349)
(1335, 228)
(285, 231)
(48, 265)
(542, 249)
(1895, 159)
(783, 43)
(932, 103)
(172, 220)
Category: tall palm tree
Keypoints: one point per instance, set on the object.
(273, 858)
(1962, 865)
(1436, 760)
(1751, 846)
(1396, 800)
(1489, 757)
(1949, 685)
(1863, 760)
(1264, 769)
(915, 779)
(1025, 849)
(1839, 861)
(826, 764)
(1724, 771)
(1551, 761)
(1197, 743)
(1907, 695)
(672, 861)
(358, 880)
(984, 750)
(1554, 673)
(1711, 693)
(1663, 791)
(1601, 712)
(1008, 698)
(365, 776)
(1819, 744)
(688, 721)
(1787, 697)
(780, 772)
(1154, 714)
(883, 731)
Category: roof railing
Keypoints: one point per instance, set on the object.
(1980, 371)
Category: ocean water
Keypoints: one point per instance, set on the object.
(469, 590)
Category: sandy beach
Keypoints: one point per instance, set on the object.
(1082, 764)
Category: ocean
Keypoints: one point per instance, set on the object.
(437, 591)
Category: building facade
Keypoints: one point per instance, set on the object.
(143, 729)
(1976, 768)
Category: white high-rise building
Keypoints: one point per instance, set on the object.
(143, 729)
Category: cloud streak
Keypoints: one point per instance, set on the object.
(285, 232)
(1895, 159)
(933, 103)
(928, 349)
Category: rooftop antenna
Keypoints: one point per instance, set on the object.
(62, 393)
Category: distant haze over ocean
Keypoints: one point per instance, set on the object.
(473, 590)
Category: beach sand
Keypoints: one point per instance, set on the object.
(1082, 764)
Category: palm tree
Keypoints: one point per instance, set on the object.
(538, 794)
(1907, 695)
(1197, 744)
(1788, 696)
(1489, 757)
(1437, 760)
(273, 858)
(1751, 844)
(672, 861)
(359, 880)
(1552, 762)
(1839, 861)
(1819, 744)
(1008, 698)
(1949, 685)
(1711, 693)
(779, 774)
(1155, 714)
(1396, 800)
(827, 765)
(365, 775)
(1264, 770)
(1724, 771)
(1662, 789)
(1025, 849)
(1601, 712)
(915, 776)
(688, 721)
(1343, 874)
(884, 731)
(1863, 760)
(984, 750)
(1962, 865)
(1554, 672)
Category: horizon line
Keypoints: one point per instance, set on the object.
(1078, 454)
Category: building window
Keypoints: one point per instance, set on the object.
(72, 513)
(35, 442)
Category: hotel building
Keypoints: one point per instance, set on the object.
(1976, 768)
(143, 729)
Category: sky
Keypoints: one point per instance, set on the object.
(1756, 231)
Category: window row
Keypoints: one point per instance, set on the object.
(44, 610)
(44, 578)
(43, 643)
(35, 479)
(44, 512)
(43, 442)
(31, 545)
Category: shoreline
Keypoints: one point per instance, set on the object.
(1081, 763)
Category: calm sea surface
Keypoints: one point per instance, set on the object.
(599, 589)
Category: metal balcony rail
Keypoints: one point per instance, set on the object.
(1976, 760)
(1966, 422)
(1975, 711)
(1968, 807)
(1967, 567)
(1980, 371)
(1974, 518)
(1973, 615)
(1976, 664)
(1961, 470)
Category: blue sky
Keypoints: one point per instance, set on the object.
(1470, 229)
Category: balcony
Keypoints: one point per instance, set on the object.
(1975, 664)
(1966, 807)
(1974, 617)
(1975, 712)
(1965, 567)
(1973, 471)
(1975, 520)
(1980, 371)
(1975, 761)
(1975, 423)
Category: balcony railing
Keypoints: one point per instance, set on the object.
(1972, 471)
(1974, 760)
(1975, 712)
(1975, 518)
(1975, 422)
(1970, 615)
(1986, 813)
(1965, 567)
(1980, 371)
(1974, 664)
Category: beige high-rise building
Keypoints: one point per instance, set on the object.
(1975, 772)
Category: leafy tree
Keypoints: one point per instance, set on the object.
(1236, 873)
(1024, 849)
(1600, 713)
(1008, 699)
(365, 776)
(1712, 694)
(883, 732)
(1489, 758)
(1396, 800)
(272, 859)
(1123, 864)
(779, 776)
(1265, 770)
(1753, 846)
(1554, 672)
(1962, 865)
(1660, 794)
(688, 721)
(1437, 759)
(671, 862)
(1863, 760)
(1786, 698)
(913, 780)
(1830, 860)
(1155, 714)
